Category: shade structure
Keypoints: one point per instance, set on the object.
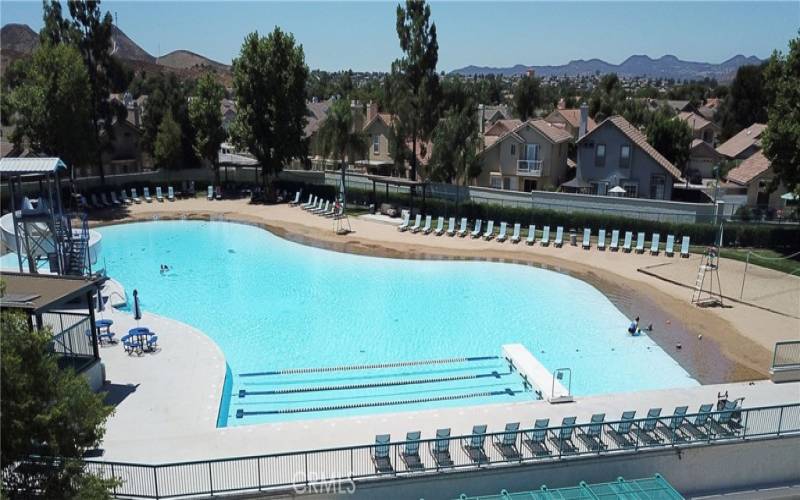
(790, 196)
(617, 189)
(577, 183)
(137, 309)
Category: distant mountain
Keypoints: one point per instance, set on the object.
(667, 66)
(126, 49)
(185, 59)
(18, 38)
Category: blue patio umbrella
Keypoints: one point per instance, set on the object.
(137, 309)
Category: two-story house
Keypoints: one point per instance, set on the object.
(570, 119)
(378, 129)
(702, 129)
(523, 156)
(616, 153)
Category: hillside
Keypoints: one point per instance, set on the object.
(18, 38)
(126, 49)
(185, 59)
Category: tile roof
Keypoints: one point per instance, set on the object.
(700, 147)
(749, 169)
(555, 134)
(317, 111)
(504, 128)
(573, 116)
(741, 141)
(695, 121)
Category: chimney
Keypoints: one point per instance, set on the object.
(480, 119)
(372, 110)
(584, 120)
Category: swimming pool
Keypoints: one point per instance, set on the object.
(273, 305)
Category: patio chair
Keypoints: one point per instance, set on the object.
(440, 448)
(170, 193)
(531, 235)
(330, 212)
(131, 344)
(210, 194)
(669, 248)
(318, 207)
(191, 191)
(312, 200)
(135, 196)
(501, 237)
(380, 454)
(406, 218)
(338, 213)
(93, 201)
(114, 199)
(322, 208)
(489, 234)
(506, 443)
(218, 193)
(621, 434)
(601, 239)
(563, 438)
(626, 245)
(587, 239)
(515, 237)
(476, 232)
(640, 242)
(672, 429)
(614, 245)
(159, 196)
(592, 435)
(151, 342)
(410, 452)
(685, 247)
(462, 231)
(427, 229)
(451, 226)
(559, 241)
(124, 197)
(417, 224)
(296, 200)
(473, 445)
(697, 428)
(646, 430)
(536, 439)
(654, 244)
(545, 241)
(147, 197)
(439, 226)
(723, 424)
(104, 201)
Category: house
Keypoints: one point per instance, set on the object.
(569, 119)
(489, 114)
(378, 128)
(702, 159)
(755, 176)
(702, 129)
(616, 153)
(523, 156)
(124, 155)
(744, 144)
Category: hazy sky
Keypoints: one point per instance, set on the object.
(361, 35)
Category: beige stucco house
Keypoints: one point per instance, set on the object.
(702, 129)
(570, 120)
(702, 159)
(754, 176)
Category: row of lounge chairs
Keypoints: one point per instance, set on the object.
(462, 231)
(319, 206)
(111, 200)
(543, 441)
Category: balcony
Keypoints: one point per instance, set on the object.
(532, 168)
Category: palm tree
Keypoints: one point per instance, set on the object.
(338, 138)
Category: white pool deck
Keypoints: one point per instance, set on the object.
(171, 401)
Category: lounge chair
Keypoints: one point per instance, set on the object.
(406, 218)
(218, 193)
(338, 213)
(159, 196)
(380, 454)
(296, 200)
(324, 208)
(669, 249)
(723, 424)
(685, 247)
(592, 435)
(135, 196)
(646, 430)
(147, 197)
(440, 449)
(191, 192)
(654, 243)
(210, 194)
(417, 224)
(94, 203)
(104, 200)
(640, 242)
(545, 241)
(563, 438)
(672, 429)
(114, 199)
(531, 235)
(536, 440)
(515, 237)
(626, 245)
(697, 428)
(330, 212)
(473, 445)
(170, 193)
(621, 434)
(587, 239)
(501, 237)
(312, 200)
(506, 443)
(451, 226)
(317, 205)
(462, 231)
(439, 227)
(489, 234)
(614, 246)
(410, 452)
(476, 232)
(559, 236)
(427, 229)
(601, 239)
(124, 197)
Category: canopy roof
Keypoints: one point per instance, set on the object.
(40, 292)
(577, 182)
(30, 166)
(398, 181)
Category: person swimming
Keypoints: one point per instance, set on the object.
(634, 326)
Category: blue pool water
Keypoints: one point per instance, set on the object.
(272, 305)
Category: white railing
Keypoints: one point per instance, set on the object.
(529, 167)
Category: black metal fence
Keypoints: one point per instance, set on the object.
(72, 337)
(302, 471)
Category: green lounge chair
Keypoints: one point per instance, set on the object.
(440, 449)
(473, 445)
(410, 452)
(536, 439)
(672, 429)
(592, 435)
(380, 454)
(697, 428)
(646, 430)
(621, 434)
(506, 443)
(562, 439)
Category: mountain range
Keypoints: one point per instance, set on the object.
(667, 66)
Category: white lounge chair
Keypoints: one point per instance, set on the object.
(170, 193)
(319, 206)
(417, 224)
(159, 197)
(322, 208)
(626, 245)
(439, 226)
(545, 241)
(427, 229)
(406, 218)
(314, 204)
(654, 244)
(489, 234)
(531, 235)
(147, 195)
(210, 194)
(515, 237)
(135, 196)
(669, 249)
(502, 236)
(451, 226)
(685, 247)
(559, 241)
(614, 246)
(312, 201)
(296, 200)
(330, 212)
(476, 233)
(587, 239)
(601, 239)
(463, 230)
(338, 213)
(114, 199)
(640, 242)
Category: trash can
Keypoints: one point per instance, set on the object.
(573, 237)
(372, 208)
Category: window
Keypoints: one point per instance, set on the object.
(376, 144)
(625, 156)
(631, 189)
(657, 187)
(599, 187)
(495, 182)
(513, 150)
(506, 182)
(531, 152)
(600, 155)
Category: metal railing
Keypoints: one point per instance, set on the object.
(72, 338)
(529, 167)
(787, 354)
(303, 469)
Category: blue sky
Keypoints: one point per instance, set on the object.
(361, 35)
